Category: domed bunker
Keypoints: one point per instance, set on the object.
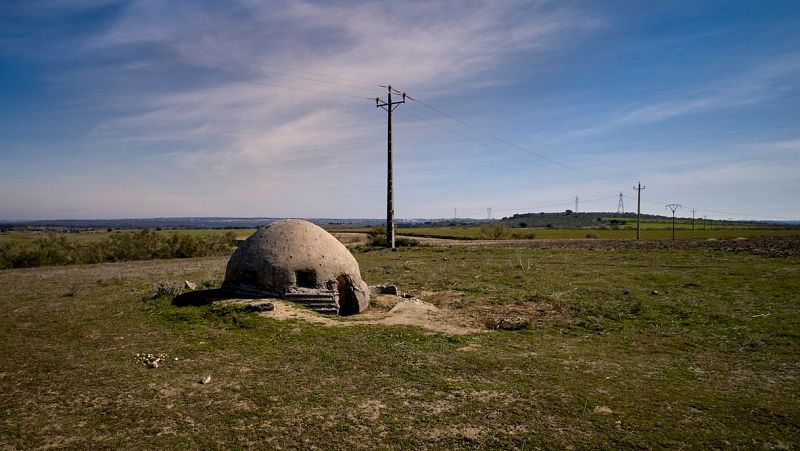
(300, 262)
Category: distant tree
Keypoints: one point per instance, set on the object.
(568, 212)
(494, 231)
(522, 225)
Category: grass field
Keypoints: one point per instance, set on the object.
(647, 234)
(650, 231)
(627, 349)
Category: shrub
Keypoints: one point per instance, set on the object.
(166, 289)
(380, 241)
(514, 322)
(141, 245)
(494, 231)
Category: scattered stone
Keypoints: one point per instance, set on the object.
(150, 360)
(408, 295)
(190, 285)
(626, 292)
(604, 410)
(205, 380)
(654, 292)
(383, 289)
(263, 307)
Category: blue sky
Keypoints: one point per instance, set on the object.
(113, 109)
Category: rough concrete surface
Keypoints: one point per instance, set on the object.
(298, 261)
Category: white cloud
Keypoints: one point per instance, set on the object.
(245, 132)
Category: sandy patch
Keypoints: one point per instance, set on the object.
(384, 311)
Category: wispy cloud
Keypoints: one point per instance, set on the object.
(430, 47)
(758, 81)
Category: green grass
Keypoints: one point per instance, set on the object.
(542, 233)
(709, 361)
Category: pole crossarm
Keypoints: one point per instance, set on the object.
(673, 208)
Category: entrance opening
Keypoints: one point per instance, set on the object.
(306, 278)
(249, 276)
(348, 304)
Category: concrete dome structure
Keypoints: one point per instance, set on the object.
(298, 261)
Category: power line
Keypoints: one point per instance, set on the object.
(482, 143)
(504, 141)
(698, 209)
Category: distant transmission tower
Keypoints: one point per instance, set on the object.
(488, 212)
(620, 206)
(576, 204)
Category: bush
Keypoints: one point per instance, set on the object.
(377, 238)
(514, 322)
(142, 245)
(494, 231)
(592, 235)
(380, 241)
(167, 290)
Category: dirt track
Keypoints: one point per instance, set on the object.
(772, 246)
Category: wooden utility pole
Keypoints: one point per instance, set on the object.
(389, 106)
(639, 210)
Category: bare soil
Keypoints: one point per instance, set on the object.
(384, 310)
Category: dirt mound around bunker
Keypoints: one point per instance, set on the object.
(386, 310)
(444, 312)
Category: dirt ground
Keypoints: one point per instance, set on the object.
(384, 310)
(432, 311)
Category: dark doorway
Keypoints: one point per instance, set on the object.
(348, 304)
(306, 278)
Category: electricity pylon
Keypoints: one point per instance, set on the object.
(673, 207)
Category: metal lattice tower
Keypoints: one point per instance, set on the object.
(620, 206)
